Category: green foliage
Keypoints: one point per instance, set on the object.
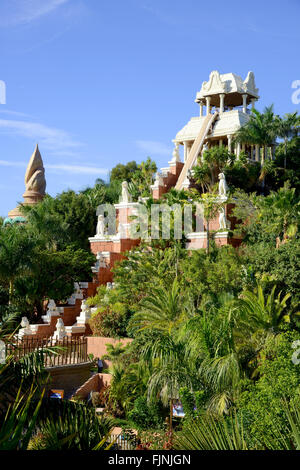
(66, 425)
(211, 433)
(145, 415)
(123, 172)
(279, 379)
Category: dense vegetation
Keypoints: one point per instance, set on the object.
(216, 330)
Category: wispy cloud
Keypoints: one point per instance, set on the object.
(152, 147)
(14, 12)
(61, 168)
(15, 113)
(78, 169)
(52, 139)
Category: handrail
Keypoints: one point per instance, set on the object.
(196, 147)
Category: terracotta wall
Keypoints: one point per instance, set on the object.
(69, 377)
(94, 384)
(96, 345)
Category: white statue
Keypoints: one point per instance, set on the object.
(84, 306)
(100, 226)
(85, 314)
(223, 222)
(51, 309)
(176, 155)
(26, 329)
(60, 331)
(158, 180)
(223, 188)
(205, 148)
(77, 289)
(126, 196)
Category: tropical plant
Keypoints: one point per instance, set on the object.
(287, 127)
(260, 129)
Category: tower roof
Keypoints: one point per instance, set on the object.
(231, 85)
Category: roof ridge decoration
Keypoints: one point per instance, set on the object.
(249, 84)
(227, 83)
(214, 84)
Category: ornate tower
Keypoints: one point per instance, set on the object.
(35, 183)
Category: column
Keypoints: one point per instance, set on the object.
(229, 142)
(252, 152)
(222, 97)
(245, 103)
(253, 103)
(201, 108)
(184, 151)
(208, 99)
(220, 142)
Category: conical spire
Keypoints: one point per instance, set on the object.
(35, 174)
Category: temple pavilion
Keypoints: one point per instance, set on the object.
(224, 107)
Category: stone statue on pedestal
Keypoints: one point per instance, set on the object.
(25, 328)
(101, 232)
(158, 180)
(60, 331)
(223, 188)
(176, 155)
(126, 196)
(223, 222)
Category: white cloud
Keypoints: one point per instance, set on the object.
(152, 147)
(78, 169)
(51, 138)
(61, 168)
(14, 12)
(14, 113)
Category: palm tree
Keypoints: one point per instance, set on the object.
(212, 433)
(214, 161)
(281, 209)
(162, 310)
(213, 351)
(261, 312)
(287, 127)
(114, 353)
(260, 129)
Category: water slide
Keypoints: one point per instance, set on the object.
(196, 148)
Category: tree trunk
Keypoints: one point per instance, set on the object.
(11, 291)
(285, 152)
(207, 236)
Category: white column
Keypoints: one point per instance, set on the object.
(238, 150)
(208, 99)
(253, 103)
(245, 103)
(201, 108)
(184, 151)
(229, 142)
(220, 142)
(222, 97)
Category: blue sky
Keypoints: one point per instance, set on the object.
(98, 82)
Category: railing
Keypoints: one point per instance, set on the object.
(123, 442)
(65, 352)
